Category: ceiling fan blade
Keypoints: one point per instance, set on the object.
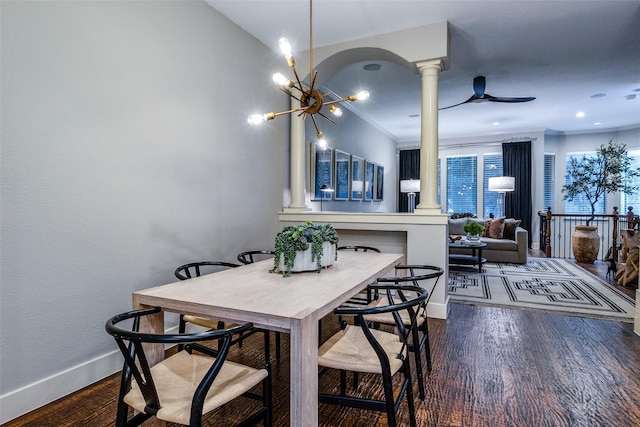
(472, 99)
(509, 100)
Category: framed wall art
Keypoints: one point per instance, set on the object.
(321, 170)
(379, 185)
(369, 177)
(342, 163)
(357, 178)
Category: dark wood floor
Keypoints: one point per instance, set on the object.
(492, 367)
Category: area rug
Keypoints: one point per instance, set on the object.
(553, 285)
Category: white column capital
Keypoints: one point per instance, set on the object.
(431, 64)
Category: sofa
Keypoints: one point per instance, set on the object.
(506, 240)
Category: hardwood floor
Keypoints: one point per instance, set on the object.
(492, 367)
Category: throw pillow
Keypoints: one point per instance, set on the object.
(495, 228)
(510, 226)
(485, 228)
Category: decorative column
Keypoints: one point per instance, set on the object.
(297, 164)
(429, 138)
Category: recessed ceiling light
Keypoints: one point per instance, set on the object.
(580, 114)
(414, 115)
(599, 95)
(496, 123)
(372, 67)
(597, 123)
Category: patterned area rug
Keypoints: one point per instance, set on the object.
(553, 285)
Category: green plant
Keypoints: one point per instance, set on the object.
(463, 215)
(473, 228)
(595, 176)
(294, 238)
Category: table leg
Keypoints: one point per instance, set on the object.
(303, 391)
(479, 260)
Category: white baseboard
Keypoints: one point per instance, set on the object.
(32, 396)
(437, 310)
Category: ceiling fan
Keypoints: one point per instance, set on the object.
(479, 95)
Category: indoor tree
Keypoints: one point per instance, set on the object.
(595, 176)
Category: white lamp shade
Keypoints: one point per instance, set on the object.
(410, 186)
(502, 184)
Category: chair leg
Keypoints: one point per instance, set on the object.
(389, 400)
(277, 345)
(409, 393)
(415, 348)
(427, 344)
(267, 397)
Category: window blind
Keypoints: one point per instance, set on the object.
(548, 196)
(492, 165)
(462, 184)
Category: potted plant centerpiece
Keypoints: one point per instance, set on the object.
(593, 177)
(305, 247)
(473, 230)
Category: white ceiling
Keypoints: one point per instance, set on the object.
(561, 52)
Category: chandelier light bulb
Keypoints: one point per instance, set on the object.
(322, 143)
(285, 47)
(362, 96)
(256, 119)
(335, 110)
(280, 80)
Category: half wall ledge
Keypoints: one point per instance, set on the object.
(421, 237)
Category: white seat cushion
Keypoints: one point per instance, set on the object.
(349, 350)
(177, 377)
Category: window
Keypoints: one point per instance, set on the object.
(462, 182)
(580, 204)
(627, 200)
(492, 168)
(549, 182)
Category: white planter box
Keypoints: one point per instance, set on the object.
(303, 259)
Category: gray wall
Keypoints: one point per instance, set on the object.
(125, 152)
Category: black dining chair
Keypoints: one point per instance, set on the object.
(362, 297)
(189, 384)
(249, 257)
(425, 276)
(361, 348)
(197, 269)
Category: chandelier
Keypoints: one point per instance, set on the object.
(311, 101)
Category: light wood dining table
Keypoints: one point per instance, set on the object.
(292, 305)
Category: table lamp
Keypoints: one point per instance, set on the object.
(502, 184)
(410, 186)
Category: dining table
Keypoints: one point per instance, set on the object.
(293, 305)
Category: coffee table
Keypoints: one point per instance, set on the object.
(471, 259)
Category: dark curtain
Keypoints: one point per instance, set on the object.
(409, 169)
(516, 162)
